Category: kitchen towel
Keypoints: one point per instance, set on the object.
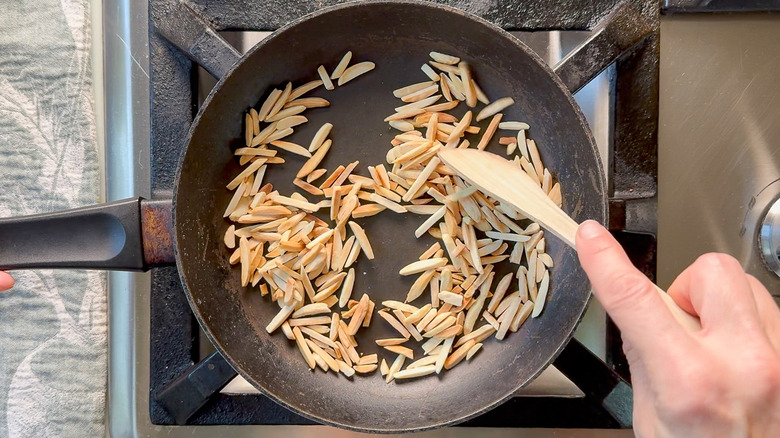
(52, 323)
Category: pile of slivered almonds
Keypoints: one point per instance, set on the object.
(306, 264)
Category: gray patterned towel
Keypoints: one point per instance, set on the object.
(52, 323)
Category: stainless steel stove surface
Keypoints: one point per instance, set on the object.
(153, 336)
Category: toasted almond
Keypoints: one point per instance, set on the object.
(367, 210)
(397, 305)
(415, 372)
(355, 71)
(325, 78)
(346, 289)
(341, 66)
(230, 237)
(402, 125)
(452, 298)
(308, 102)
(458, 355)
(313, 320)
(404, 91)
(423, 265)
(399, 349)
(383, 368)
(303, 347)
(395, 323)
(303, 89)
(292, 147)
(285, 113)
(280, 317)
(419, 285)
(419, 104)
(491, 129)
(398, 363)
(421, 94)
(292, 121)
(494, 108)
(444, 67)
(315, 160)
(390, 341)
(316, 349)
(362, 239)
(541, 296)
(404, 115)
(513, 126)
(468, 84)
(311, 309)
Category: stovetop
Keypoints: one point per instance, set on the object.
(153, 335)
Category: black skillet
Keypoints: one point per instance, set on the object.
(397, 36)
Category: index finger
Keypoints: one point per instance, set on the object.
(629, 298)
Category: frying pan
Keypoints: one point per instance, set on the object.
(135, 234)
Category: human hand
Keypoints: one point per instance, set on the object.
(723, 380)
(6, 281)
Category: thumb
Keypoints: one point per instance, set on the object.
(6, 281)
(627, 295)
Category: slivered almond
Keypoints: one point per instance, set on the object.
(421, 94)
(269, 103)
(418, 287)
(346, 289)
(387, 203)
(415, 372)
(367, 210)
(341, 66)
(403, 91)
(399, 349)
(423, 265)
(458, 355)
(315, 160)
(355, 71)
(513, 126)
(444, 67)
(491, 129)
(311, 309)
(303, 347)
(395, 323)
(419, 104)
(325, 78)
(494, 108)
(290, 122)
(468, 84)
(390, 341)
(444, 58)
(429, 72)
(230, 237)
(362, 239)
(292, 147)
(402, 125)
(308, 102)
(303, 89)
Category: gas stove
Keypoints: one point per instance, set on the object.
(165, 378)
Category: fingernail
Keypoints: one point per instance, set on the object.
(590, 229)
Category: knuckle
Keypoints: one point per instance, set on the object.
(632, 290)
(695, 398)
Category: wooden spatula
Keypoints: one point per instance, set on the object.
(508, 183)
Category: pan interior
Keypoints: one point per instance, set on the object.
(397, 37)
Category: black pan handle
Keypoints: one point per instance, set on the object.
(182, 25)
(184, 396)
(598, 381)
(131, 235)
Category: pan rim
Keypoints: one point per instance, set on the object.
(276, 34)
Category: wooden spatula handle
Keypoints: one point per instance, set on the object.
(687, 320)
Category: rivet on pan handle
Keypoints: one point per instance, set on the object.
(179, 23)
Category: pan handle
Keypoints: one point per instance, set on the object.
(598, 381)
(184, 27)
(130, 235)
